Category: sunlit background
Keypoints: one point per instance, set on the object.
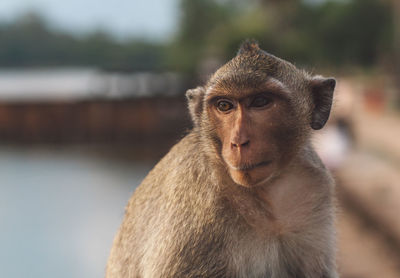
(92, 95)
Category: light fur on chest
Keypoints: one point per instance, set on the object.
(295, 228)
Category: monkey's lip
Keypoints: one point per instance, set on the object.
(249, 166)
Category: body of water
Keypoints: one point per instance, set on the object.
(60, 209)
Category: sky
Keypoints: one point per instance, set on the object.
(153, 19)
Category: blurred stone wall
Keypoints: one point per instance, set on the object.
(148, 120)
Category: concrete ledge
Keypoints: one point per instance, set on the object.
(372, 186)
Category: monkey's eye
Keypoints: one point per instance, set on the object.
(260, 101)
(224, 105)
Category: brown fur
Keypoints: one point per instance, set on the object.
(196, 216)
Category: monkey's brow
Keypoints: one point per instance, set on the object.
(271, 86)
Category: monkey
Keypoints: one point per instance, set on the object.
(243, 194)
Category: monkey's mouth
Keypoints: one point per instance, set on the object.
(249, 166)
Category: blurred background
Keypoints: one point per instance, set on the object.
(92, 96)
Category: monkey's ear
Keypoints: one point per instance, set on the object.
(322, 94)
(195, 102)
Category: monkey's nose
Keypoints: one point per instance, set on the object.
(240, 145)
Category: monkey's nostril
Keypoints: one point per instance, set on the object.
(241, 145)
(245, 143)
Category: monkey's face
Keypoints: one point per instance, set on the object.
(257, 110)
(255, 128)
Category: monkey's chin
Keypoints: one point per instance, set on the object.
(251, 177)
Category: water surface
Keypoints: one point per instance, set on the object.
(60, 209)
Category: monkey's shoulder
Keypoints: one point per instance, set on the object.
(182, 159)
(181, 167)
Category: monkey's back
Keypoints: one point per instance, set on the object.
(164, 219)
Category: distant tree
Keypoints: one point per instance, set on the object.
(352, 32)
(197, 20)
(28, 41)
(349, 32)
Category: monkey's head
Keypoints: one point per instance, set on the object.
(257, 111)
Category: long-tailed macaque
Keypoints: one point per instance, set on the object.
(243, 194)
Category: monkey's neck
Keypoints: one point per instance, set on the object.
(281, 204)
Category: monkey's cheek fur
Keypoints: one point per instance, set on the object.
(253, 177)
